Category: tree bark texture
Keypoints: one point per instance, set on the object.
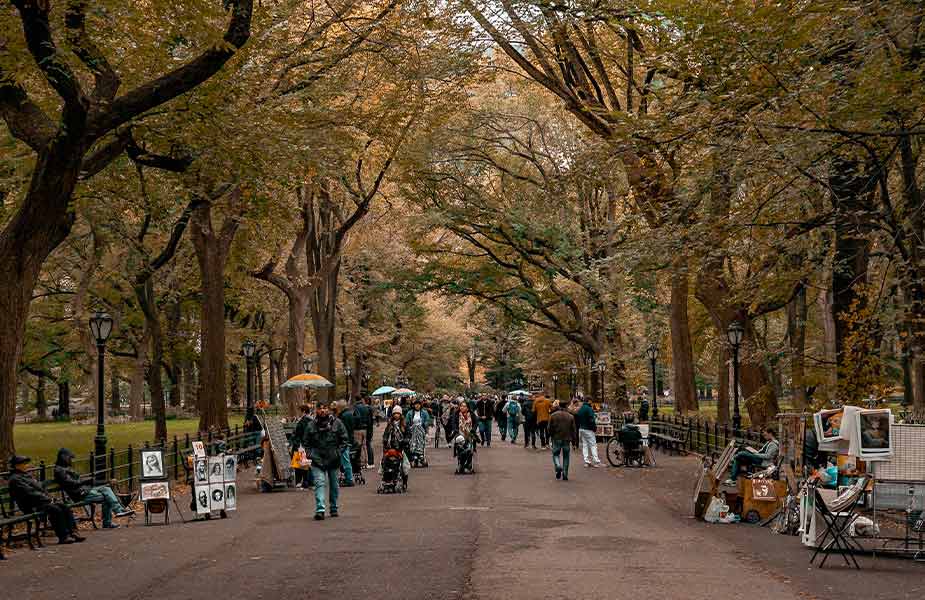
(682, 354)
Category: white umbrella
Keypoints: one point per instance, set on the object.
(386, 389)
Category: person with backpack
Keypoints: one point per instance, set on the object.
(513, 412)
(529, 423)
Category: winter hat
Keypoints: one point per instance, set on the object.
(396, 410)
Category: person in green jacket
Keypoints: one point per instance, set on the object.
(587, 433)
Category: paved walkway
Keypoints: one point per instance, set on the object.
(511, 531)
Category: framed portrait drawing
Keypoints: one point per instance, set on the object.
(152, 464)
(154, 490)
(217, 497)
(217, 469)
(231, 496)
(231, 467)
(829, 424)
(200, 471)
(874, 433)
(202, 500)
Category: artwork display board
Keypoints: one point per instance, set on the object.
(152, 464)
(154, 490)
(908, 460)
(202, 499)
(278, 444)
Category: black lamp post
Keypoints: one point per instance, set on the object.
(555, 386)
(573, 370)
(249, 348)
(366, 382)
(385, 381)
(734, 334)
(347, 373)
(652, 353)
(601, 368)
(100, 327)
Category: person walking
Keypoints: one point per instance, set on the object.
(446, 415)
(529, 423)
(303, 477)
(562, 435)
(417, 422)
(30, 496)
(587, 433)
(500, 418)
(542, 407)
(513, 412)
(69, 481)
(485, 409)
(363, 429)
(344, 412)
(324, 439)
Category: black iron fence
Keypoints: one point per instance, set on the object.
(702, 435)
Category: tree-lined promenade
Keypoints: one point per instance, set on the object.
(459, 194)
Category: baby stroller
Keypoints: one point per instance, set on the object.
(393, 480)
(465, 450)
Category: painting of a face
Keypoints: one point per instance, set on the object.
(203, 499)
(230, 467)
(231, 497)
(152, 464)
(875, 430)
(830, 424)
(217, 497)
(201, 476)
(216, 469)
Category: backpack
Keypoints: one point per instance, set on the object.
(513, 408)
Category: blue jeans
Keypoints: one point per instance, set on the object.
(485, 431)
(502, 428)
(512, 426)
(325, 486)
(105, 495)
(563, 448)
(345, 465)
(742, 461)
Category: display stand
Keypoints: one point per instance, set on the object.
(214, 487)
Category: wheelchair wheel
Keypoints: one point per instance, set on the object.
(615, 453)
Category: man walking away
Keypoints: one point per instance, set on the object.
(512, 410)
(542, 406)
(501, 418)
(363, 429)
(485, 409)
(562, 434)
(587, 433)
(529, 423)
(324, 439)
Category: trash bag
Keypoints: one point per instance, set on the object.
(716, 510)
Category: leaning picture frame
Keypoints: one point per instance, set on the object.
(154, 490)
(152, 464)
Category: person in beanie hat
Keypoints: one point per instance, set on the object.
(30, 497)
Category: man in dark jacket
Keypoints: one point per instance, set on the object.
(324, 439)
(501, 417)
(363, 432)
(345, 413)
(587, 433)
(529, 423)
(30, 497)
(69, 481)
(562, 435)
(485, 409)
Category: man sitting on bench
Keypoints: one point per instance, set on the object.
(69, 481)
(748, 457)
(31, 497)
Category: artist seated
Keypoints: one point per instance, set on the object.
(750, 458)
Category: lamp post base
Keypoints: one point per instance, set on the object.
(99, 458)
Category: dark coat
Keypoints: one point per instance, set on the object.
(395, 436)
(485, 409)
(585, 417)
(363, 418)
(28, 493)
(67, 478)
(500, 417)
(299, 434)
(347, 417)
(323, 441)
(562, 427)
(527, 407)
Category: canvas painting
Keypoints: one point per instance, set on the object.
(231, 467)
(874, 440)
(217, 497)
(217, 469)
(231, 496)
(200, 471)
(829, 425)
(152, 464)
(202, 500)
(154, 490)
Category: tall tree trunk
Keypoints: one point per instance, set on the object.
(722, 385)
(235, 392)
(137, 382)
(64, 400)
(115, 394)
(190, 385)
(825, 303)
(796, 334)
(145, 295)
(322, 305)
(295, 350)
(41, 404)
(682, 354)
(918, 391)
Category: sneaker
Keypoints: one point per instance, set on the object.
(587, 465)
(78, 538)
(319, 516)
(558, 474)
(334, 513)
(599, 465)
(111, 526)
(66, 541)
(127, 512)
(729, 482)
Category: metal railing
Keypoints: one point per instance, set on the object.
(704, 436)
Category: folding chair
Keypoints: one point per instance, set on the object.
(838, 518)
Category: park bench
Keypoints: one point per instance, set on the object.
(668, 438)
(11, 516)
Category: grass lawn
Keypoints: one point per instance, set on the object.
(42, 440)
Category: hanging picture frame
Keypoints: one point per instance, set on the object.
(217, 469)
(202, 500)
(231, 468)
(231, 496)
(217, 497)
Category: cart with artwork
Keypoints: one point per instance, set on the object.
(215, 488)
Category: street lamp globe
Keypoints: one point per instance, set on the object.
(249, 347)
(100, 326)
(555, 377)
(348, 371)
(652, 352)
(574, 370)
(734, 334)
(601, 366)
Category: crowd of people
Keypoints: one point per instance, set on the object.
(332, 441)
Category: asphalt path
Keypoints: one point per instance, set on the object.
(510, 531)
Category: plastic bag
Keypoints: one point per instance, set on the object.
(716, 510)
